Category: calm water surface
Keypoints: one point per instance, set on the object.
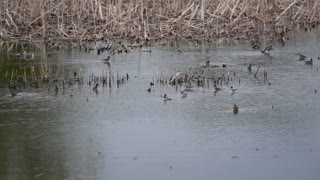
(128, 133)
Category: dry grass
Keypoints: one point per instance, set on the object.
(141, 19)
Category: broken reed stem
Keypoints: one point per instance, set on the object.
(255, 74)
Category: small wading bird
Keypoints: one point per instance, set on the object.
(235, 109)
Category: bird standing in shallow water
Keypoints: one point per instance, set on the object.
(56, 90)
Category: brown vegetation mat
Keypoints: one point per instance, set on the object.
(154, 19)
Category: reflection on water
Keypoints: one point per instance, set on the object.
(128, 133)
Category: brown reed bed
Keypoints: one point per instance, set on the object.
(155, 19)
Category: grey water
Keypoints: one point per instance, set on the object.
(128, 133)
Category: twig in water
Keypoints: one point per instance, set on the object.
(255, 75)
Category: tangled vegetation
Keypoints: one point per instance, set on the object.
(154, 19)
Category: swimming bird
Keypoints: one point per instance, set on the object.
(301, 56)
(95, 88)
(255, 47)
(249, 68)
(151, 83)
(310, 62)
(267, 50)
(235, 109)
(184, 94)
(149, 89)
(233, 90)
(107, 61)
(216, 89)
(165, 98)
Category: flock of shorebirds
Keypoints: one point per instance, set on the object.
(217, 84)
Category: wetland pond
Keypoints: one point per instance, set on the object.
(130, 133)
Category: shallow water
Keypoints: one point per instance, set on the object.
(128, 133)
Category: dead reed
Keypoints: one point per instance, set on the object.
(154, 19)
